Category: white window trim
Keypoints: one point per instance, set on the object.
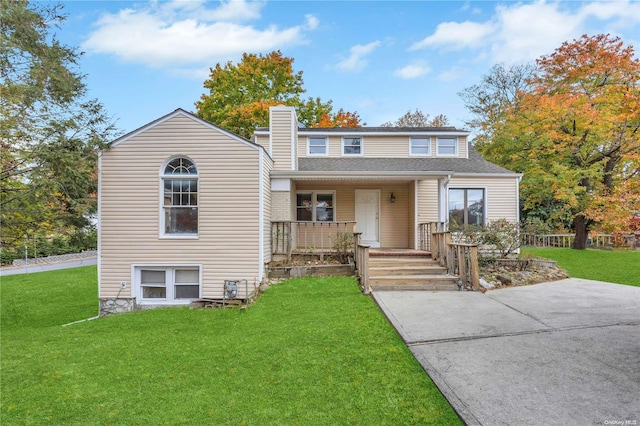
(314, 194)
(456, 143)
(137, 285)
(326, 146)
(485, 205)
(416, 154)
(162, 176)
(361, 146)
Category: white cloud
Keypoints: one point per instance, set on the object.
(312, 22)
(413, 70)
(356, 60)
(520, 32)
(452, 74)
(456, 35)
(185, 33)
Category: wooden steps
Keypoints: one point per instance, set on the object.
(408, 270)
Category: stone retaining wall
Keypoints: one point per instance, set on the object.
(110, 306)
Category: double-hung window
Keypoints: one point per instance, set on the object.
(317, 146)
(180, 197)
(352, 146)
(315, 206)
(447, 146)
(466, 206)
(178, 284)
(420, 146)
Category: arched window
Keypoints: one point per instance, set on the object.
(180, 200)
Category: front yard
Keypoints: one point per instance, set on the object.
(309, 351)
(616, 266)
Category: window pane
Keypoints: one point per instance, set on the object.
(456, 206)
(304, 214)
(181, 220)
(304, 207)
(152, 277)
(446, 146)
(154, 292)
(180, 192)
(187, 276)
(180, 166)
(352, 146)
(187, 291)
(324, 214)
(324, 207)
(317, 145)
(420, 145)
(475, 206)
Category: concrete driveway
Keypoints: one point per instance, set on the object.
(566, 352)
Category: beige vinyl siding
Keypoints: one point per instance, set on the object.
(462, 147)
(281, 137)
(387, 146)
(412, 215)
(501, 195)
(227, 246)
(263, 141)
(427, 200)
(394, 217)
(281, 205)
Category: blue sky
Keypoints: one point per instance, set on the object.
(379, 58)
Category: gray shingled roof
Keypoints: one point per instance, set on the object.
(302, 130)
(475, 164)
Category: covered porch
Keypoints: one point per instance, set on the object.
(323, 215)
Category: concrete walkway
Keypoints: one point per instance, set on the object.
(566, 352)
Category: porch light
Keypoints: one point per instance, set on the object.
(392, 198)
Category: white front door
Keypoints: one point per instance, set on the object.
(368, 216)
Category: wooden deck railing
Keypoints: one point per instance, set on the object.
(459, 259)
(321, 238)
(425, 230)
(362, 266)
(566, 240)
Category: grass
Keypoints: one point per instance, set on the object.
(309, 351)
(617, 266)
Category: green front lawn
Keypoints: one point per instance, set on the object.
(616, 266)
(309, 351)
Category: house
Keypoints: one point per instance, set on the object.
(185, 205)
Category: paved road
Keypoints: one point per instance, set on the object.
(49, 267)
(566, 352)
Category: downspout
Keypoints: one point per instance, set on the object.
(518, 198)
(99, 226)
(442, 213)
(416, 228)
(261, 217)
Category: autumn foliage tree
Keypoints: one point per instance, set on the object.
(574, 131)
(341, 118)
(418, 119)
(240, 94)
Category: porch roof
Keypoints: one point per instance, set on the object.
(427, 166)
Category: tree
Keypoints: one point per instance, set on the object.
(340, 119)
(492, 99)
(574, 131)
(50, 133)
(418, 119)
(240, 94)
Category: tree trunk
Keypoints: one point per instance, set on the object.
(580, 223)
